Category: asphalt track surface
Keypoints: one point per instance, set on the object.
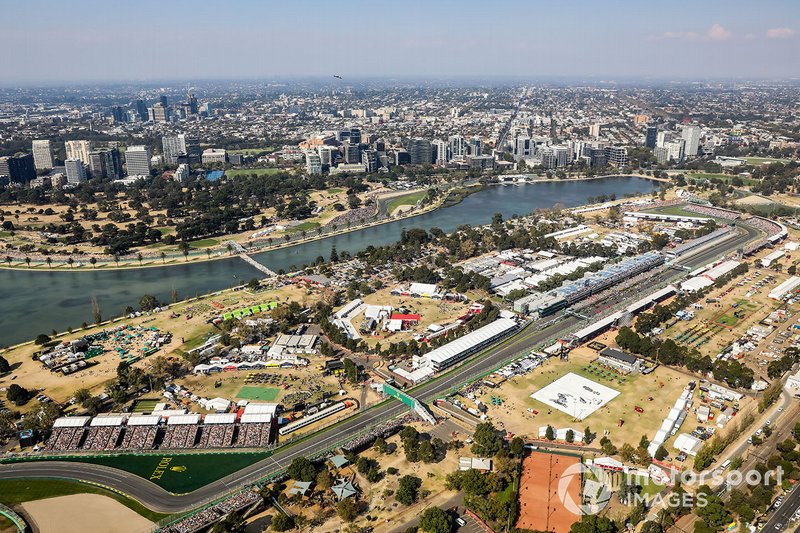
(159, 500)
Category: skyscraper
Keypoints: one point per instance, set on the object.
(651, 137)
(420, 151)
(351, 153)
(159, 112)
(172, 147)
(594, 130)
(192, 101)
(141, 110)
(691, 134)
(118, 113)
(313, 163)
(43, 154)
(441, 148)
(78, 150)
(475, 146)
(190, 145)
(105, 163)
(355, 136)
(458, 148)
(369, 158)
(137, 159)
(76, 172)
(18, 168)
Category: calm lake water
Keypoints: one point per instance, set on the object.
(38, 302)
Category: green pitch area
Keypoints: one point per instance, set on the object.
(265, 394)
(178, 473)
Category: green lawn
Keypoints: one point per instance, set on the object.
(183, 472)
(204, 243)
(145, 406)
(253, 151)
(676, 210)
(304, 226)
(166, 230)
(17, 491)
(266, 394)
(727, 178)
(334, 191)
(256, 171)
(409, 199)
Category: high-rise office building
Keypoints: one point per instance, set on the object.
(441, 149)
(351, 153)
(137, 160)
(141, 110)
(458, 148)
(76, 172)
(522, 147)
(159, 112)
(594, 130)
(182, 173)
(78, 150)
(118, 114)
(105, 163)
(369, 158)
(190, 145)
(616, 155)
(325, 154)
(313, 163)
(355, 135)
(651, 137)
(420, 151)
(172, 148)
(18, 168)
(43, 154)
(475, 146)
(191, 99)
(691, 134)
(163, 101)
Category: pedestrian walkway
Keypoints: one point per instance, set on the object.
(257, 265)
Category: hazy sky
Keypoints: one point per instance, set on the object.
(88, 40)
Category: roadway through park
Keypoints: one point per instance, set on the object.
(528, 338)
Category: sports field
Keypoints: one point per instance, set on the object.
(265, 394)
(544, 489)
(256, 171)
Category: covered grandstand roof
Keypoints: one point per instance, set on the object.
(220, 418)
(144, 420)
(115, 420)
(183, 420)
(250, 418)
(260, 408)
(459, 346)
(71, 421)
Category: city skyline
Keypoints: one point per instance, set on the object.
(415, 39)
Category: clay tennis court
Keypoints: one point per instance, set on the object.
(540, 507)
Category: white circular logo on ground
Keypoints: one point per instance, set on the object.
(593, 495)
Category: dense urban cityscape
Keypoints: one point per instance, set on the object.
(303, 285)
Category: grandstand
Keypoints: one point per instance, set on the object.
(255, 430)
(609, 276)
(459, 349)
(717, 212)
(104, 432)
(775, 233)
(140, 434)
(695, 245)
(67, 433)
(310, 419)
(217, 431)
(181, 431)
(201, 520)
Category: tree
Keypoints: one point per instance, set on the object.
(281, 522)
(594, 524)
(587, 435)
(93, 261)
(550, 433)
(607, 447)
(302, 469)
(517, 446)
(82, 396)
(148, 302)
(17, 395)
(4, 366)
(486, 441)
(41, 339)
(347, 509)
(661, 453)
(408, 490)
(351, 371)
(435, 520)
(570, 436)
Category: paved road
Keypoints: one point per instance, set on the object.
(158, 499)
(780, 518)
